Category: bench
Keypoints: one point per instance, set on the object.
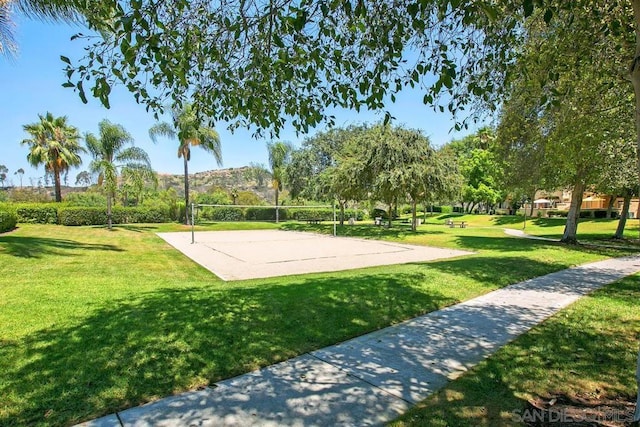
(313, 221)
(453, 224)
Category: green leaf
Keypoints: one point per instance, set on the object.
(65, 59)
(528, 7)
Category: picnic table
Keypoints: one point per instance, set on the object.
(453, 224)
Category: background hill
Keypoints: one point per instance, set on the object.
(240, 179)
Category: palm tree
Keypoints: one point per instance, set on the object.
(279, 154)
(54, 144)
(186, 127)
(7, 42)
(47, 10)
(136, 180)
(110, 153)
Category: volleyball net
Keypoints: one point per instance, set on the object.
(201, 213)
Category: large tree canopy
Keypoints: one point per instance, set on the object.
(258, 63)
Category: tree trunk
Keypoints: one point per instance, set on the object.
(622, 221)
(109, 215)
(56, 181)
(635, 80)
(187, 219)
(414, 216)
(533, 197)
(390, 215)
(612, 201)
(636, 415)
(277, 213)
(571, 227)
(342, 212)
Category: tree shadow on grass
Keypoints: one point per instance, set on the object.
(137, 228)
(508, 219)
(159, 343)
(502, 243)
(495, 271)
(516, 244)
(36, 247)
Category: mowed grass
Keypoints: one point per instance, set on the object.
(585, 355)
(93, 321)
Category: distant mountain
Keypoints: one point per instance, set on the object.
(228, 179)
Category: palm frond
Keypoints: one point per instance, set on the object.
(52, 10)
(133, 155)
(162, 129)
(8, 46)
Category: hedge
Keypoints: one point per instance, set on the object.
(98, 216)
(302, 214)
(141, 214)
(265, 214)
(221, 213)
(82, 216)
(588, 213)
(37, 213)
(8, 220)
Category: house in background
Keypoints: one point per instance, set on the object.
(546, 203)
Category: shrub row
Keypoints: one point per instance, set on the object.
(50, 213)
(8, 219)
(591, 213)
(119, 215)
(37, 213)
(269, 214)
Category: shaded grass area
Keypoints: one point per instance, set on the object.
(93, 321)
(590, 231)
(586, 352)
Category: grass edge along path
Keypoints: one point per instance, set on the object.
(577, 366)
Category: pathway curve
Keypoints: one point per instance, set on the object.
(374, 378)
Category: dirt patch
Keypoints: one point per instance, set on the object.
(579, 411)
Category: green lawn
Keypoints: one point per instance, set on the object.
(93, 321)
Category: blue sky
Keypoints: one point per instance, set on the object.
(31, 85)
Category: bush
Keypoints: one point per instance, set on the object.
(221, 213)
(98, 216)
(302, 214)
(8, 219)
(140, 214)
(43, 213)
(264, 214)
(405, 209)
(83, 216)
(91, 198)
(603, 214)
(552, 213)
(379, 213)
(353, 213)
(449, 209)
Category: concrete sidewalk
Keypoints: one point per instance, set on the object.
(374, 378)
